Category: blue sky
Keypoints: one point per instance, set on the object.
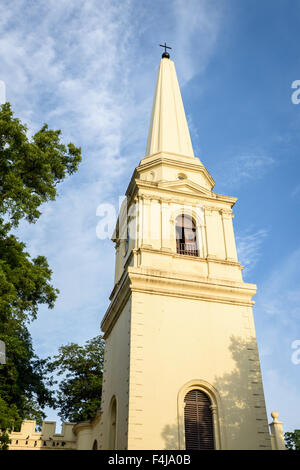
(89, 68)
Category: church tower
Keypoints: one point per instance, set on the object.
(181, 366)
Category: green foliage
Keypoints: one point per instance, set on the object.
(24, 388)
(9, 419)
(79, 392)
(292, 440)
(4, 440)
(23, 378)
(24, 283)
(30, 170)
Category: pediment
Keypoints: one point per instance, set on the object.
(185, 186)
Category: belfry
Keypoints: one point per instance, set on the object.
(181, 368)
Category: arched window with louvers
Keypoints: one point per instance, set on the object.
(186, 235)
(198, 421)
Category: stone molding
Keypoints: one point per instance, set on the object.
(174, 285)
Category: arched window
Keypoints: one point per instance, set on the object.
(95, 445)
(198, 422)
(186, 237)
(113, 424)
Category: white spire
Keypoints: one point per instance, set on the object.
(168, 131)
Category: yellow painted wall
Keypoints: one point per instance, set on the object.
(116, 379)
(177, 341)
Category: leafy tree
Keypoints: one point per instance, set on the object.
(79, 392)
(24, 283)
(292, 440)
(30, 170)
(9, 418)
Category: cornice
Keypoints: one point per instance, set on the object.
(176, 285)
(158, 282)
(166, 192)
(194, 259)
(223, 211)
(175, 156)
(185, 164)
(118, 297)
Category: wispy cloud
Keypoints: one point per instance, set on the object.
(195, 137)
(72, 76)
(296, 191)
(243, 168)
(249, 247)
(281, 292)
(198, 24)
(66, 64)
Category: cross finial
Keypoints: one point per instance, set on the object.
(165, 54)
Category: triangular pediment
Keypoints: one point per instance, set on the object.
(185, 186)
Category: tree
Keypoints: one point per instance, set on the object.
(292, 440)
(9, 417)
(79, 392)
(30, 170)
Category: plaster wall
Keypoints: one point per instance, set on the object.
(116, 379)
(177, 342)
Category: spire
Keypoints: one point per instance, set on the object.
(168, 131)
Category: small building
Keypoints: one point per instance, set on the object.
(74, 436)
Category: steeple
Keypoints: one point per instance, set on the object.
(168, 131)
(178, 281)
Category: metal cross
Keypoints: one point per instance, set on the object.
(165, 46)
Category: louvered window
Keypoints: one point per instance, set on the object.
(186, 239)
(199, 434)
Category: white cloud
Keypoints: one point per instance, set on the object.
(66, 63)
(197, 29)
(296, 191)
(242, 168)
(66, 67)
(249, 247)
(281, 292)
